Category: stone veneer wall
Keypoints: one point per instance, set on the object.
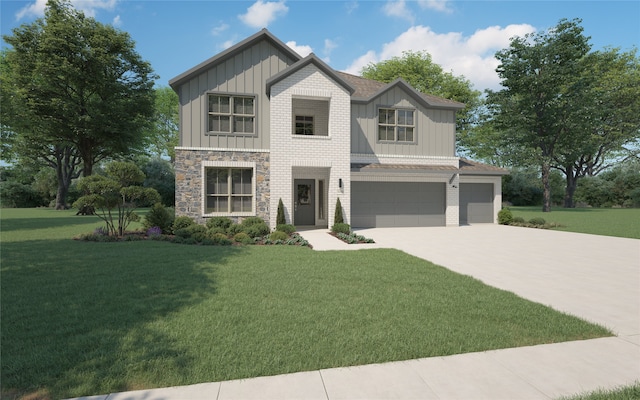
(189, 179)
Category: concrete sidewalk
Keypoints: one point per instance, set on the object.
(594, 277)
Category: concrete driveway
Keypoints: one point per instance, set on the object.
(594, 277)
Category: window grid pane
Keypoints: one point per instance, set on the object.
(231, 114)
(229, 190)
(392, 121)
(304, 125)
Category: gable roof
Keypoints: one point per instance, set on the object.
(263, 34)
(362, 90)
(310, 59)
(368, 89)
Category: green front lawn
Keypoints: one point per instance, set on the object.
(631, 392)
(82, 318)
(620, 222)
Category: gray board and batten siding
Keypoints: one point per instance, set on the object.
(434, 130)
(240, 72)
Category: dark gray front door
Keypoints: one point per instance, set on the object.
(304, 202)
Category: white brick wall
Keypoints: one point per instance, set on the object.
(330, 152)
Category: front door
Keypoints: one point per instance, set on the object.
(304, 209)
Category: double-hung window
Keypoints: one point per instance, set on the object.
(229, 190)
(231, 114)
(395, 125)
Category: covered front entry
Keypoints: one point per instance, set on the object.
(476, 203)
(304, 209)
(397, 204)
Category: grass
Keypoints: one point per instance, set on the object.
(631, 392)
(620, 222)
(83, 318)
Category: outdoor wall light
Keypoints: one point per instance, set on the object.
(340, 183)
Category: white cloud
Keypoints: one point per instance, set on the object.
(32, 10)
(397, 8)
(262, 13)
(117, 21)
(89, 7)
(438, 5)
(329, 46)
(351, 6)
(219, 29)
(472, 56)
(303, 50)
(226, 44)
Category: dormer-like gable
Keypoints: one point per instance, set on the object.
(263, 35)
(223, 103)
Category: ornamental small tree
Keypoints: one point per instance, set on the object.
(120, 190)
(337, 218)
(280, 220)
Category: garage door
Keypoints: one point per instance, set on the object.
(397, 204)
(476, 203)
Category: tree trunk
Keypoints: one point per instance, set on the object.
(570, 189)
(546, 187)
(63, 187)
(66, 166)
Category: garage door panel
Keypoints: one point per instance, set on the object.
(476, 203)
(397, 204)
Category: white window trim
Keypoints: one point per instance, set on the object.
(227, 164)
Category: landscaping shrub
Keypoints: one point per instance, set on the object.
(159, 216)
(219, 222)
(337, 218)
(154, 231)
(286, 228)
(195, 231)
(517, 220)
(257, 230)
(280, 220)
(505, 216)
(235, 229)
(278, 235)
(537, 221)
(243, 238)
(213, 231)
(220, 239)
(252, 221)
(341, 228)
(182, 222)
(115, 195)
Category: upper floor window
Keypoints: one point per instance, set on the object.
(231, 114)
(303, 125)
(395, 125)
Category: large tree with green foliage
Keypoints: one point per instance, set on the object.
(606, 120)
(163, 132)
(76, 92)
(418, 69)
(562, 107)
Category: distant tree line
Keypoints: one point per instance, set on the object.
(618, 186)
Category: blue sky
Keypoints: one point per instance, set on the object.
(462, 36)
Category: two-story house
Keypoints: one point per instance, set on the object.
(259, 123)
